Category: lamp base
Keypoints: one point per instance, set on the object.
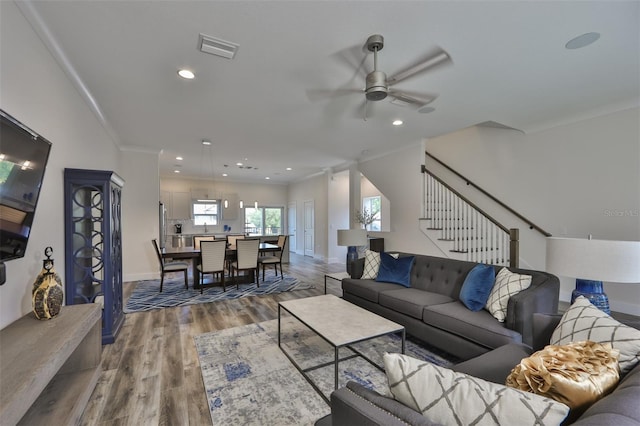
(352, 256)
(592, 290)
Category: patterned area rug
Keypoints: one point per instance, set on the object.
(146, 296)
(249, 381)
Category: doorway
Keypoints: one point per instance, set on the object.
(308, 228)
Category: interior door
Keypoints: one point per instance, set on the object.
(308, 228)
(291, 224)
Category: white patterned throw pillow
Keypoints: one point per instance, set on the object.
(444, 396)
(372, 264)
(583, 321)
(507, 284)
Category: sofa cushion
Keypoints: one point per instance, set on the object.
(507, 284)
(480, 327)
(447, 397)
(394, 270)
(366, 289)
(372, 264)
(583, 321)
(477, 287)
(410, 301)
(577, 374)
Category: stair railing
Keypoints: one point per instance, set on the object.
(472, 231)
(494, 199)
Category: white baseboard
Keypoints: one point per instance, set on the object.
(141, 277)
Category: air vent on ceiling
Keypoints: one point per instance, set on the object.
(215, 46)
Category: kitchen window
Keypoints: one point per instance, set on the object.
(206, 212)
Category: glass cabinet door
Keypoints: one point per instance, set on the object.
(93, 244)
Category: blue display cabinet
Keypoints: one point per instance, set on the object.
(93, 244)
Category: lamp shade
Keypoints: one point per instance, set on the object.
(600, 260)
(352, 237)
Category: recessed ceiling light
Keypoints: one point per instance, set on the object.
(267, 178)
(176, 171)
(397, 123)
(289, 168)
(206, 142)
(186, 74)
(179, 158)
(238, 164)
(225, 175)
(582, 40)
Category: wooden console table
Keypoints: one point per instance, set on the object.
(48, 369)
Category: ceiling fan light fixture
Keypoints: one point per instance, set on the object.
(376, 86)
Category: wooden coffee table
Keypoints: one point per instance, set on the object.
(339, 323)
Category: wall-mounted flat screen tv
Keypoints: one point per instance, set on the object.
(23, 159)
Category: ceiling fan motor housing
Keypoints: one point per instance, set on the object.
(376, 86)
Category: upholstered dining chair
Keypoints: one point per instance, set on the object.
(231, 239)
(275, 258)
(166, 267)
(247, 259)
(197, 240)
(231, 242)
(212, 255)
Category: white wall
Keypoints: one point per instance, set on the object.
(313, 189)
(338, 215)
(398, 177)
(140, 221)
(35, 90)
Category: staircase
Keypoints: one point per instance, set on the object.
(463, 231)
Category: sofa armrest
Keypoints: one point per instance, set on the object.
(542, 296)
(495, 365)
(357, 405)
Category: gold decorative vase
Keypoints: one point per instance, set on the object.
(47, 294)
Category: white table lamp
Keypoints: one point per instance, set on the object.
(593, 261)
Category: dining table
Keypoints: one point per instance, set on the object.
(193, 254)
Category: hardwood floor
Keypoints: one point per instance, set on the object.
(151, 375)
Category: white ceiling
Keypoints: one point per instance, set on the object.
(510, 66)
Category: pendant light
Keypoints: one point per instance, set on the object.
(241, 204)
(255, 204)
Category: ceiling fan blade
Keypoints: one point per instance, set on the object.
(354, 58)
(433, 59)
(411, 99)
(316, 95)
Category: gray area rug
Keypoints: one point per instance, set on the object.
(249, 381)
(146, 296)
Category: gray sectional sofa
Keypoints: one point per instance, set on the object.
(430, 308)
(357, 405)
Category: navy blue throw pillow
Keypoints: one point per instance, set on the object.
(477, 287)
(397, 271)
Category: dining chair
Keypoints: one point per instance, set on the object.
(212, 261)
(275, 258)
(197, 240)
(166, 267)
(247, 259)
(231, 242)
(231, 239)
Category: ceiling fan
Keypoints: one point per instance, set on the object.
(378, 86)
